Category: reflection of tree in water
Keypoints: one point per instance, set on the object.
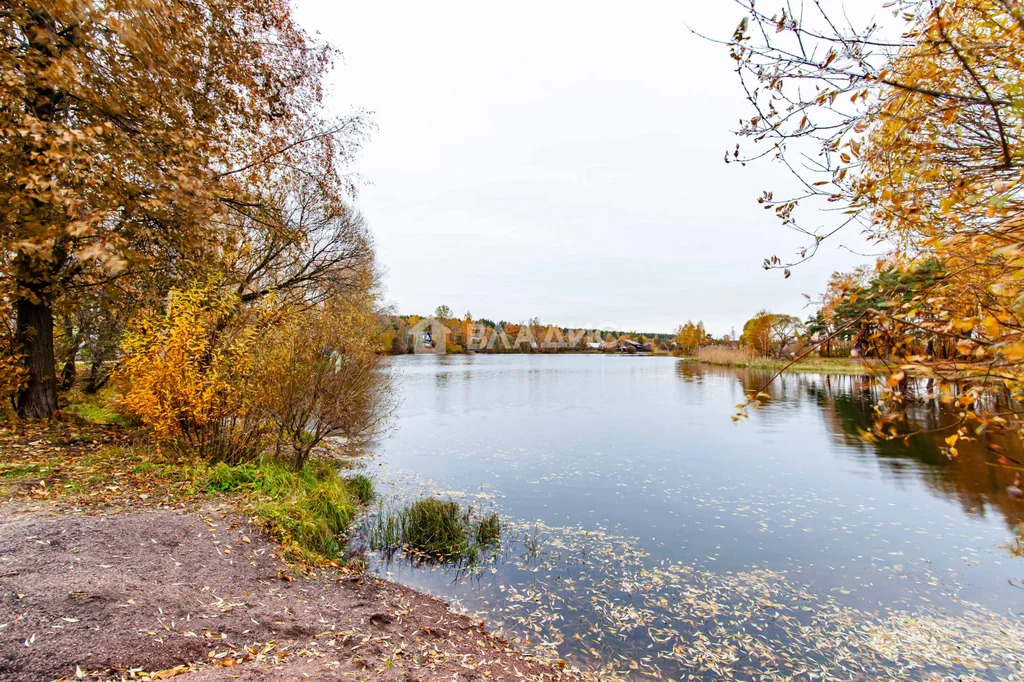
(976, 478)
(787, 390)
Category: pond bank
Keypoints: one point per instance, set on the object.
(117, 564)
(155, 593)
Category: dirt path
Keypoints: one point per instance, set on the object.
(199, 592)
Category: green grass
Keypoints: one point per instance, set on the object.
(435, 530)
(308, 512)
(98, 408)
(24, 470)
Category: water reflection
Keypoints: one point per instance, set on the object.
(977, 478)
(641, 524)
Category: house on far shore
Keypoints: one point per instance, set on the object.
(630, 346)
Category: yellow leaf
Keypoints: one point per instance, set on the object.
(1013, 352)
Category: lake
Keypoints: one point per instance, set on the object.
(646, 534)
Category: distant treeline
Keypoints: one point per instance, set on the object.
(415, 333)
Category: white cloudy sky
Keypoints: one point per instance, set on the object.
(562, 160)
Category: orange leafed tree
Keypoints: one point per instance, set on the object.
(133, 136)
(915, 130)
(690, 336)
(190, 374)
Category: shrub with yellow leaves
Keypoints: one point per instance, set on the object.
(188, 373)
(12, 370)
(214, 378)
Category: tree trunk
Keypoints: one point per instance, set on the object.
(97, 377)
(37, 399)
(69, 374)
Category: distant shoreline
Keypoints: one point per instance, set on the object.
(814, 365)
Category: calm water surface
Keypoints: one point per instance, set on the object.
(646, 534)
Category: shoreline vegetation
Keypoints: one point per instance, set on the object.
(93, 461)
(432, 530)
(769, 342)
(95, 456)
(741, 358)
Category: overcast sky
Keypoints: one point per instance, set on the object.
(562, 160)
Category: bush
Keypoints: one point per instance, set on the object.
(222, 381)
(188, 374)
(319, 372)
(13, 374)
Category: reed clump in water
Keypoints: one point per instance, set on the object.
(488, 531)
(435, 530)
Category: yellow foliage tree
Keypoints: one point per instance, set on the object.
(757, 333)
(188, 373)
(690, 336)
(216, 379)
(919, 135)
(136, 136)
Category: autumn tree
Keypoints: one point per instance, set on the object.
(914, 128)
(784, 330)
(690, 336)
(320, 370)
(757, 333)
(133, 134)
(819, 327)
(191, 374)
(300, 240)
(90, 328)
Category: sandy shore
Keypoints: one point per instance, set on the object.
(157, 593)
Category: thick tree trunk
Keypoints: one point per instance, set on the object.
(37, 399)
